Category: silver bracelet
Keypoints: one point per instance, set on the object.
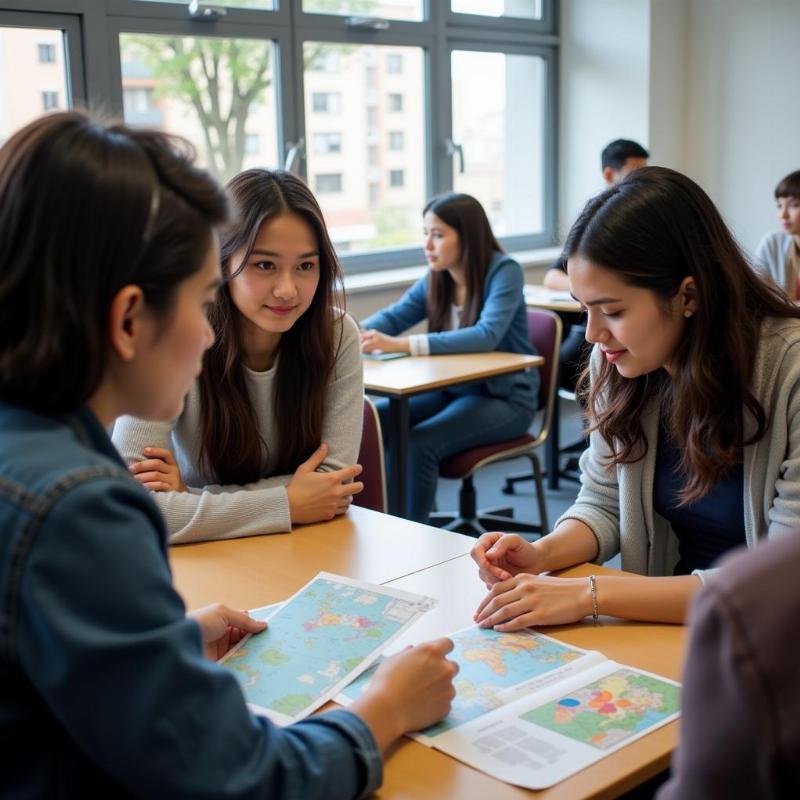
(593, 590)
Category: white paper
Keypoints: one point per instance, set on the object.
(319, 640)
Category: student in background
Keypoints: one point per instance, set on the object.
(778, 254)
(618, 159)
(740, 698)
(109, 263)
(270, 431)
(694, 411)
(473, 302)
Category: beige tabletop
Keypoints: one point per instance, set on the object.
(247, 573)
(405, 376)
(414, 770)
(537, 296)
(364, 544)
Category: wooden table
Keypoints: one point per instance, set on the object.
(246, 573)
(403, 378)
(364, 544)
(537, 296)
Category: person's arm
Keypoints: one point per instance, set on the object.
(726, 749)
(410, 309)
(555, 278)
(102, 636)
(504, 294)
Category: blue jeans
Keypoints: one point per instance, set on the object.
(442, 424)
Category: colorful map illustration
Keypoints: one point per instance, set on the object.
(610, 710)
(319, 636)
(489, 663)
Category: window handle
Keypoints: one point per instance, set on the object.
(453, 148)
(202, 12)
(367, 23)
(296, 152)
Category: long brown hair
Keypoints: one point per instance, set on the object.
(230, 444)
(654, 229)
(88, 206)
(478, 244)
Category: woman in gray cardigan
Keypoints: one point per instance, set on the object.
(778, 253)
(694, 407)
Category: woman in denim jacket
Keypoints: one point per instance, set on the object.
(108, 263)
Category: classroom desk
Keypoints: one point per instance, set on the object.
(254, 571)
(414, 770)
(403, 378)
(246, 573)
(537, 296)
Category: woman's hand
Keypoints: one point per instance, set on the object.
(500, 556)
(526, 600)
(159, 472)
(223, 627)
(372, 340)
(319, 496)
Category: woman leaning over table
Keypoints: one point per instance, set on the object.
(694, 406)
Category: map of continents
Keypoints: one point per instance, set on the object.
(610, 710)
(320, 636)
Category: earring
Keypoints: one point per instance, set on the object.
(687, 313)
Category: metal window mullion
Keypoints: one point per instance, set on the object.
(179, 11)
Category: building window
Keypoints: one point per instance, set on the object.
(326, 102)
(395, 102)
(325, 59)
(372, 117)
(252, 144)
(394, 64)
(396, 140)
(397, 178)
(327, 143)
(373, 155)
(47, 54)
(328, 183)
(49, 101)
(374, 195)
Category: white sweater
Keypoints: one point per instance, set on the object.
(617, 504)
(211, 511)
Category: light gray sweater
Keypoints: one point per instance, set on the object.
(211, 511)
(773, 259)
(617, 504)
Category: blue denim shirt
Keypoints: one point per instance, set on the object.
(104, 689)
(502, 325)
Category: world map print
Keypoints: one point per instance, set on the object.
(313, 642)
(489, 663)
(610, 710)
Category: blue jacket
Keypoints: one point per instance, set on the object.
(104, 689)
(502, 326)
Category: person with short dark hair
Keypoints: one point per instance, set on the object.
(109, 263)
(693, 405)
(619, 158)
(740, 701)
(778, 253)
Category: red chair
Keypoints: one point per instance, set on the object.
(544, 330)
(371, 459)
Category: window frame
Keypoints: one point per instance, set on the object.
(95, 73)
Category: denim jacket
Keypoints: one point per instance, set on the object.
(104, 688)
(502, 325)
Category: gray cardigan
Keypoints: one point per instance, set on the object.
(772, 261)
(617, 504)
(213, 511)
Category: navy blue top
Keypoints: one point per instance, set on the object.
(707, 528)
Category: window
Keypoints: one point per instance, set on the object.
(49, 101)
(47, 54)
(394, 64)
(326, 102)
(327, 143)
(396, 140)
(328, 183)
(376, 119)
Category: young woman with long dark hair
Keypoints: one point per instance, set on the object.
(472, 298)
(694, 408)
(108, 265)
(269, 433)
